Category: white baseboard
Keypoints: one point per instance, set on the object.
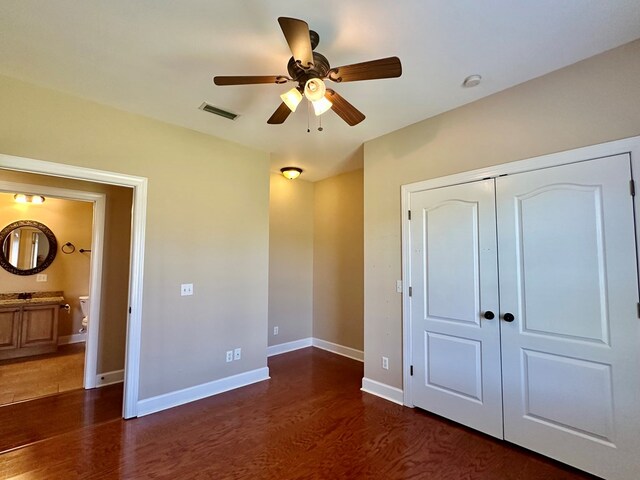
(75, 338)
(289, 346)
(339, 349)
(191, 394)
(382, 390)
(109, 378)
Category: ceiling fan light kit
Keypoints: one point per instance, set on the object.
(292, 98)
(309, 69)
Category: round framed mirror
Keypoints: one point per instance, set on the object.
(27, 247)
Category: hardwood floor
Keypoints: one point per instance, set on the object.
(310, 421)
(32, 377)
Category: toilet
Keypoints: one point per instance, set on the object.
(84, 306)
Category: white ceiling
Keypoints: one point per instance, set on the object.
(158, 57)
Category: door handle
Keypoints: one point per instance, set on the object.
(508, 317)
(489, 315)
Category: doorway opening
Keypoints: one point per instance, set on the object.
(138, 186)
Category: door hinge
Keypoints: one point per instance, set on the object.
(409, 214)
(632, 187)
(129, 309)
(410, 291)
(638, 309)
(411, 370)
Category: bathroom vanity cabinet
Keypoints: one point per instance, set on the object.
(28, 328)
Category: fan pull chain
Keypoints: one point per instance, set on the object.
(308, 121)
(320, 123)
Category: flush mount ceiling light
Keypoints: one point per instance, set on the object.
(472, 81)
(291, 173)
(24, 198)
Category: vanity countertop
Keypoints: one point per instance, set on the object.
(36, 298)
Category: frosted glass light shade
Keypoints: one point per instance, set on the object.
(314, 89)
(291, 173)
(292, 98)
(321, 106)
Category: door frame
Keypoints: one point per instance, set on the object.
(136, 266)
(98, 201)
(629, 146)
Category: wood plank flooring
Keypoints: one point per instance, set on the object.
(32, 377)
(310, 421)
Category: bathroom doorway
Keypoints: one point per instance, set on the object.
(47, 345)
(137, 204)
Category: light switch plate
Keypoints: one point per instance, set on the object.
(41, 277)
(399, 286)
(186, 289)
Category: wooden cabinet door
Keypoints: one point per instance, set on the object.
(39, 326)
(9, 328)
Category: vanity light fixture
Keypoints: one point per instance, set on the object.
(291, 173)
(24, 198)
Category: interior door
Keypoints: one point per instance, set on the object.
(455, 350)
(571, 366)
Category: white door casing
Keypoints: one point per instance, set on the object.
(568, 275)
(454, 281)
(136, 267)
(582, 431)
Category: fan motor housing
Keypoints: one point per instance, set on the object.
(319, 70)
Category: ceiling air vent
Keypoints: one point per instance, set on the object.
(218, 111)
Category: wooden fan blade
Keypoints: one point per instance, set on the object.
(383, 68)
(344, 109)
(296, 32)
(280, 115)
(221, 81)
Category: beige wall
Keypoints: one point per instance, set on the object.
(590, 102)
(115, 264)
(207, 224)
(290, 259)
(70, 221)
(338, 293)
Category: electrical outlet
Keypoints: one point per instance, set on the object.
(229, 356)
(237, 354)
(275, 330)
(186, 289)
(385, 363)
(41, 277)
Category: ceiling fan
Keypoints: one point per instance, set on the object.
(309, 69)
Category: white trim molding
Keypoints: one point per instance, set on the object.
(339, 349)
(109, 378)
(73, 338)
(348, 352)
(289, 346)
(630, 146)
(198, 392)
(136, 269)
(382, 390)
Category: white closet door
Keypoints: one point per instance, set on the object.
(571, 366)
(456, 352)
